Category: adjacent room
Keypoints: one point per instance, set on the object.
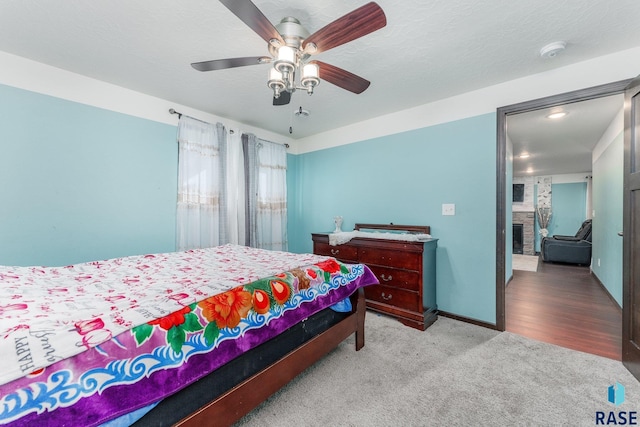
(251, 212)
(566, 168)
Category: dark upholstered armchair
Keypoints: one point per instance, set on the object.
(570, 249)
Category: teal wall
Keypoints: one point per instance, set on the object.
(607, 204)
(79, 183)
(569, 202)
(568, 207)
(405, 178)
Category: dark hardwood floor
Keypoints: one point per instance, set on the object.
(564, 305)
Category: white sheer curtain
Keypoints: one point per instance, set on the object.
(235, 188)
(202, 210)
(266, 170)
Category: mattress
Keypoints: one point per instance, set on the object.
(94, 341)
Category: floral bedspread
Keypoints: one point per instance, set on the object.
(100, 339)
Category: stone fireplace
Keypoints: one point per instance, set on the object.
(526, 220)
(524, 211)
(518, 239)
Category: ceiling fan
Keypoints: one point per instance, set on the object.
(291, 48)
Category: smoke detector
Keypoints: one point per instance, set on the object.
(552, 49)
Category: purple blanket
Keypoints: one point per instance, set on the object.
(160, 357)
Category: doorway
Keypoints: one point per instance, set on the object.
(554, 160)
(501, 193)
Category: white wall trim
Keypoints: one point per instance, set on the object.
(37, 77)
(605, 69)
(41, 78)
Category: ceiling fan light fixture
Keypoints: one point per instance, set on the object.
(286, 60)
(290, 45)
(310, 77)
(276, 82)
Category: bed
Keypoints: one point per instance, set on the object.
(187, 338)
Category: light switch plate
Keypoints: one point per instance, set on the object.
(448, 209)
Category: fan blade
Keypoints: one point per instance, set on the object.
(342, 78)
(360, 22)
(251, 15)
(221, 64)
(283, 99)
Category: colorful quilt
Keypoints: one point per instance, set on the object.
(89, 342)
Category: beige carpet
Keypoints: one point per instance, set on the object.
(525, 262)
(452, 374)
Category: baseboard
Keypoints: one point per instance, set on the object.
(605, 290)
(467, 320)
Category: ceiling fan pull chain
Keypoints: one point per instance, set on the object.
(291, 122)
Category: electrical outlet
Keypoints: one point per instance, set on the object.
(448, 209)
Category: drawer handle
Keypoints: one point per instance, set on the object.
(335, 251)
(386, 297)
(386, 279)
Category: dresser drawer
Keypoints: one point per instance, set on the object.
(405, 270)
(397, 278)
(397, 297)
(341, 252)
(407, 260)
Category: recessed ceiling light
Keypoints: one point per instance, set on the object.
(556, 115)
(524, 156)
(529, 170)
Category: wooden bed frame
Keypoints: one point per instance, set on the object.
(244, 397)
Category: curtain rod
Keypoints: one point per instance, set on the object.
(172, 111)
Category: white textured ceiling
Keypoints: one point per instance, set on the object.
(429, 50)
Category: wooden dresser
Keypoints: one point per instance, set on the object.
(406, 271)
